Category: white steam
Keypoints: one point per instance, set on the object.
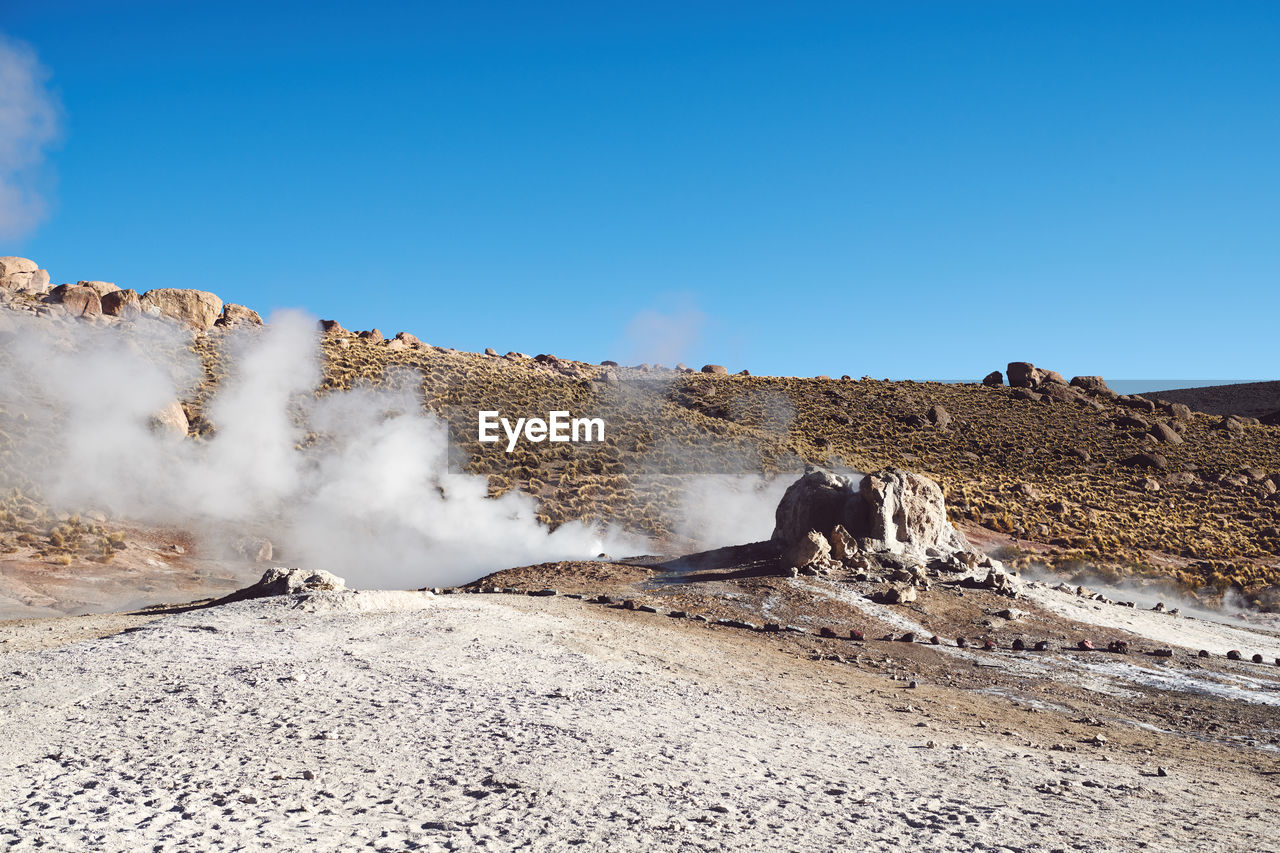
(29, 115)
(665, 336)
(353, 482)
(716, 511)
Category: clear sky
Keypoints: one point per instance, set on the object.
(903, 189)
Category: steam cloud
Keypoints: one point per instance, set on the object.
(664, 337)
(29, 115)
(352, 482)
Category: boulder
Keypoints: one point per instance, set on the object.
(1023, 374)
(412, 340)
(1164, 432)
(371, 335)
(22, 274)
(282, 581)
(938, 416)
(1177, 411)
(1058, 391)
(1051, 377)
(1142, 404)
(102, 288)
(331, 327)
(1232, 426)
(718, 369)
(993, 379)
(1146, 460)
(122, 303)
(199, 309)
(254, 549)
(816, 501)
(808, 549)
(76, 300)
(843, 546)
(1026, 394)
(1131, 422)
(1272, 419)
(901, 512)
(238, 315)
(1094, 384)
(171, 420)
(891, 511)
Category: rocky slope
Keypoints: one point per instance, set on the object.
(1069, 473)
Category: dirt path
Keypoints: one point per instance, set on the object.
(489, 722)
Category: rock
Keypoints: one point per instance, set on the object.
(807, 550)
(199, 309)
(282, 581)
(102, 288)
(412, 340)
(891, 511)
(238, 315)
(1149, 484)
(1131, 422)
(1234, 654)
(22, 274)
(902, 512)
(373, 335)
(1165, 433)
(1146, 460)
(121, 303)
(1094, 384)
(1023, 374)
(938, 416)
(718, 369)
(331, 327)
(171, 420)
(1027, 491)
(1051, 377)
(1024, 394)
(844, 547)
(1232, 426)
(816, 501)
(897, 595)
(76, 300)
(1272, 419)
(253, 549)
(1059, 391)
(993, 379)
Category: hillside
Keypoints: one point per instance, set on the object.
(1058, 476)
(1247, 399)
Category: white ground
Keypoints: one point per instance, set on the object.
(502, 723)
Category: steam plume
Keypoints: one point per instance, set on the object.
(29, 115)
(354, 482)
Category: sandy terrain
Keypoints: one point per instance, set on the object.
(509, 722)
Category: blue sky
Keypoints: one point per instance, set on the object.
(903, 189)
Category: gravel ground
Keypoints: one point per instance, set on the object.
(504, 723)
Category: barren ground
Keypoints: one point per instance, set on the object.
(514, 722)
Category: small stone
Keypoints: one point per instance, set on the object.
(1160, 771)
(1233, 655)
(1204, 653)
(308, 775)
